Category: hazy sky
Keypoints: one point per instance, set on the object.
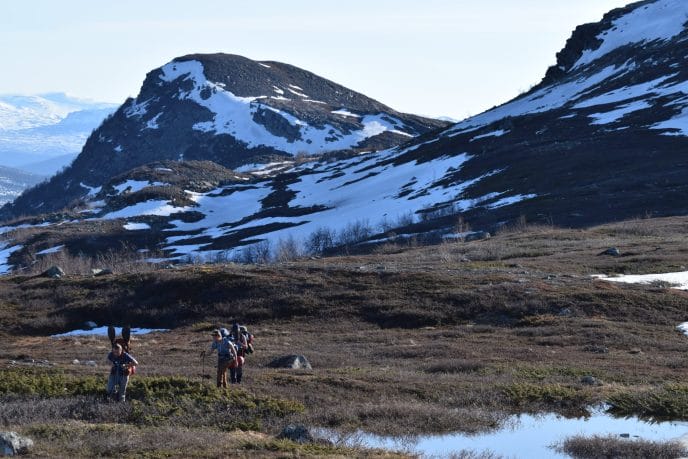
(431, 57)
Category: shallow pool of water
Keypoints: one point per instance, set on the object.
(528, 436)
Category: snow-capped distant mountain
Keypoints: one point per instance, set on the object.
(14, 181)
(603, 137)
(233, 111)
(41, 127)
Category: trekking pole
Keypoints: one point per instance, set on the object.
(203, 367)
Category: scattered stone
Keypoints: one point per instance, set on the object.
(54, 272)
(477, 236)
(635, 350)
(76, 362)
(297, 433)
(596, 349)
(294, 362)
(612, 252)
(11, 444)
(591, 381)
(90, 363)
(100, 272)
(566, 312)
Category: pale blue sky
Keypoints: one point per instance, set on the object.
(431, 57)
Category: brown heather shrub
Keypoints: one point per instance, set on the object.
(125, 260)
(611, 447)
(455, 366)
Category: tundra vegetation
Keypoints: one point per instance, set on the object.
(404, 340)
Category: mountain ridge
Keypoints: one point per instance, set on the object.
(605, 141)
(181, 114)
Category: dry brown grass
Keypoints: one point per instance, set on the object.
(412, 341)
(618, 448)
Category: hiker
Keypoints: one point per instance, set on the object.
(226, 356)
(123, 365)
(238, 339)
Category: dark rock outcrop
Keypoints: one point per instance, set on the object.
(291, 361)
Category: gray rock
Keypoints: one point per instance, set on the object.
(477, 236)
(54, 272)
(12, 444)
(100, 272)
(595, 349)
(565, 312)
(590, 381)
(297, 433)
(612, 252)
(291, 361)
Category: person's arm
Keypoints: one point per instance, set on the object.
(111, 358)
(131, 360)
(232, 350)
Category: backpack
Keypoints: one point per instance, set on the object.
(249, 339)
(123, 341)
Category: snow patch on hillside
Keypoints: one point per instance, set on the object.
(678, 280)
(615, 115)
(234, 116)
(661, 20)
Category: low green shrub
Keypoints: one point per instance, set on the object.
(666, 402)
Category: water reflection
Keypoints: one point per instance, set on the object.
(522, 436)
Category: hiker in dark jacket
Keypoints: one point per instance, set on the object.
(238, 339)
(123, 365)
(226, 356)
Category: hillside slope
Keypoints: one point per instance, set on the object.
(601, 138)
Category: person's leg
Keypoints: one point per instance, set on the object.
(220, 372)
(110, 386)
(239, 372)
(123, 381)
(223, 365)
(232, 375)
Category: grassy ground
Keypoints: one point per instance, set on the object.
(404, 341)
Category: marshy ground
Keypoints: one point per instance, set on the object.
(403, 341)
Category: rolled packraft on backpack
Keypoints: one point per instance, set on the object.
(124, 340)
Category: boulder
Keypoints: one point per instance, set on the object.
(591, 381)
(100, 272)
(12, 444)
(291, 361)
(54, 272)
(612, 252)
(297, 433)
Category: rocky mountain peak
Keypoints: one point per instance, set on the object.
(230, 110)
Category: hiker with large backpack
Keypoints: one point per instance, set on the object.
(240, 343)
(123, 364)
(226, 356)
